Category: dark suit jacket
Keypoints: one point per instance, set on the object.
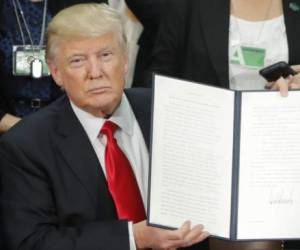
(54, 193)
(192, 42)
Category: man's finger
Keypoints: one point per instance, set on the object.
(184, 229)
(194, 233)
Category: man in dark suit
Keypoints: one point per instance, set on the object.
(74, 176)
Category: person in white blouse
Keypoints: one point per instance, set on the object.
(225, 43)
(257, 38)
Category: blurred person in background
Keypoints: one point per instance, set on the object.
(225, 43)
(148, 13)
(22, 29)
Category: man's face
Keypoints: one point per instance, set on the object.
(92, 72)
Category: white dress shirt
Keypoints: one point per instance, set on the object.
(130, 139)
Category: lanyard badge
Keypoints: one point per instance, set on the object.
(29, 60)
(249, 56)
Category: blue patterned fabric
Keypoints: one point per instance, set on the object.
(16, 87)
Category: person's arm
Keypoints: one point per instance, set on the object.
(7, 121)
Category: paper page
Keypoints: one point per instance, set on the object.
(191, 155)
(269, 193)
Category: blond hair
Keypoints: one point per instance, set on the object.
(84, 21)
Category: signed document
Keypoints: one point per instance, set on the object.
(226, 159)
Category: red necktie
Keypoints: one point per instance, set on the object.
(121, 180)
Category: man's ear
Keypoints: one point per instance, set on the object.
(55, 73)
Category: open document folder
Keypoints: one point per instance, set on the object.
(226, 159)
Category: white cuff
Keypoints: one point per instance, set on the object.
(131, 237)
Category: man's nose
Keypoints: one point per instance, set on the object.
(94, 68)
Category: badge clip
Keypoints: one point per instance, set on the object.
(36, 68)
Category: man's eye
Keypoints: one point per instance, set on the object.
(77, 62)
(106, 56)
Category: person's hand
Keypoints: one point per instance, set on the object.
(283, 85)
(7, 122)
(162, 239)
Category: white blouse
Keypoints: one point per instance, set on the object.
(270, 35)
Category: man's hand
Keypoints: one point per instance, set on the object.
(7, 122)
(283, 85)
(161, 239)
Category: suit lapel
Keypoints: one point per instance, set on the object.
(144, 122)
(215, 24)
(292, 23)
(140, 101)
(79, 154)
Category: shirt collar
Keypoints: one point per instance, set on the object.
(122, 116)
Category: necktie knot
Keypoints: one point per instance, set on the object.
(109, 129)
